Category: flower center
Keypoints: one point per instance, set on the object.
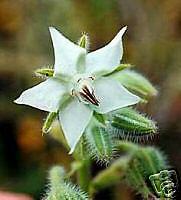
(84, 90)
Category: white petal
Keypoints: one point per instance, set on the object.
(112, 95)
(44, 96)
(106, 59)
(74, 118)
(68, 56)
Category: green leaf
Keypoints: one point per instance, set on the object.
(127, 123)
(136, 83)
(99, 142)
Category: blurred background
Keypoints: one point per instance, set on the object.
(152, 43)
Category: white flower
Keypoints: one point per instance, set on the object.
(80, 76)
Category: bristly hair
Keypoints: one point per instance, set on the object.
(100, 144)
(128, 124)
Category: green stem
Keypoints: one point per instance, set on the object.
(83, 172)
(84, 175)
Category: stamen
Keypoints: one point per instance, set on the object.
(84, 90)
(73, 92)
(90, 97)
(87, 98)
(79, 80)
(92, 78)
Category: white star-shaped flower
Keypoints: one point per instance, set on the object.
(80, 76)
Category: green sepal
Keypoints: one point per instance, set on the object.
(128, 123)
(99, 142)
(136, 83)
(120, 68)
(45, 72)
(100, 117)
(84, 41)
(48, 122)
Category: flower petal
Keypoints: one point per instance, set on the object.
(68, 56)
(44, 96)
(74, 118)
(112, 95)
(106, 59)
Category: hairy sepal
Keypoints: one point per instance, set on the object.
(99, 142)
(136, 83)
(127, 123)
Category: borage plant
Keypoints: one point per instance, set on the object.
(91, 95)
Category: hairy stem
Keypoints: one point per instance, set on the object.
(83, 172)
(84, 175)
